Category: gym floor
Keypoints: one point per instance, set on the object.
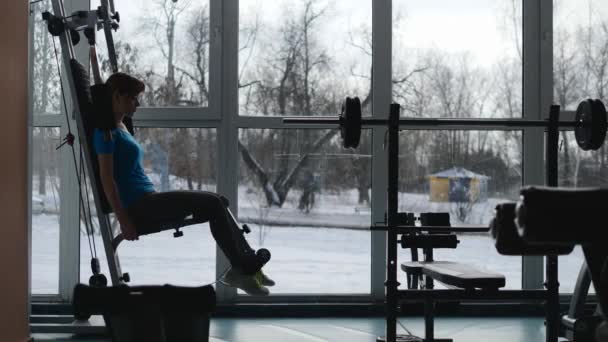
(528, 329)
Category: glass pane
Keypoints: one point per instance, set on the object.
(45, 210)
(46, 90)
(466, 174)
(303, 57)
(578, 169)
(308, 201)
(580, 63)
(174, 159)
(164, 43)
(458, 59)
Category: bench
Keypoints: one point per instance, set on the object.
(456, 275)
(463, 281)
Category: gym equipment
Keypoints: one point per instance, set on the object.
(463, 284)
(573, 218)
(508, 242)
(67, 28)
(463, 280)
(89, 101)
(601, 333)
(579, 325)
(582, 224)
(547, 215)
(149, 313)
(459, 278)
(88, 22)
(592, 133)
(590, 123)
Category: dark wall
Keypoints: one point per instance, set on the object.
(14, 263)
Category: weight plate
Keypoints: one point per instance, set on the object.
(356, 123)
(350, 122)
(599, 124)
(583, 132)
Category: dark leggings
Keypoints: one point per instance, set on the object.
(204, 206)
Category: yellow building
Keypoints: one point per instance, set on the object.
(458, 185)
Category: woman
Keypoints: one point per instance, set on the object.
(136, 203)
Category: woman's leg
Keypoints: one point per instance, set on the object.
(205, 207)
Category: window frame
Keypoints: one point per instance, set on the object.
(223, 115)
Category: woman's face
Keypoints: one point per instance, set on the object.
(126, 104)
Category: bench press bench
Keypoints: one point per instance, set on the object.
(461, 280)
(455, 274)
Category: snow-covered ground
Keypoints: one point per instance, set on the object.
(310, 254)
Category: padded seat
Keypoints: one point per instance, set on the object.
(412, 267)
(456, 274)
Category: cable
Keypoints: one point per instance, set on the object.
(65, 104)
(220, 277)
(69, 139)
(404, 328)
(88, 215)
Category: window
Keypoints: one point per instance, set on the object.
(166, 44)
(46, 185)
(580, 29)
(303, 57)
(458, 60)
(46, 88)
(308, 201)
(46, 105)
(449, 60)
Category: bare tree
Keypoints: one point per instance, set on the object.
(196, 70)
(197, 56)
(458, 93)
(508, 104)
(289, 83)
(276, 191)
(163, 25)
(567, 83)
(580, 71)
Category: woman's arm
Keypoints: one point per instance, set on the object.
(95, 65)
(106, 167)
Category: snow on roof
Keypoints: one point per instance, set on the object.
(457, 172)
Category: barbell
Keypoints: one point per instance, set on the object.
(590, 123)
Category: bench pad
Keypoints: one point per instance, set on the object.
(456, 274)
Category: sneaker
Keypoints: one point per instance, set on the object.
(264, 280)
(251, 284)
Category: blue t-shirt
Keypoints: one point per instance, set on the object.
(127, 158)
